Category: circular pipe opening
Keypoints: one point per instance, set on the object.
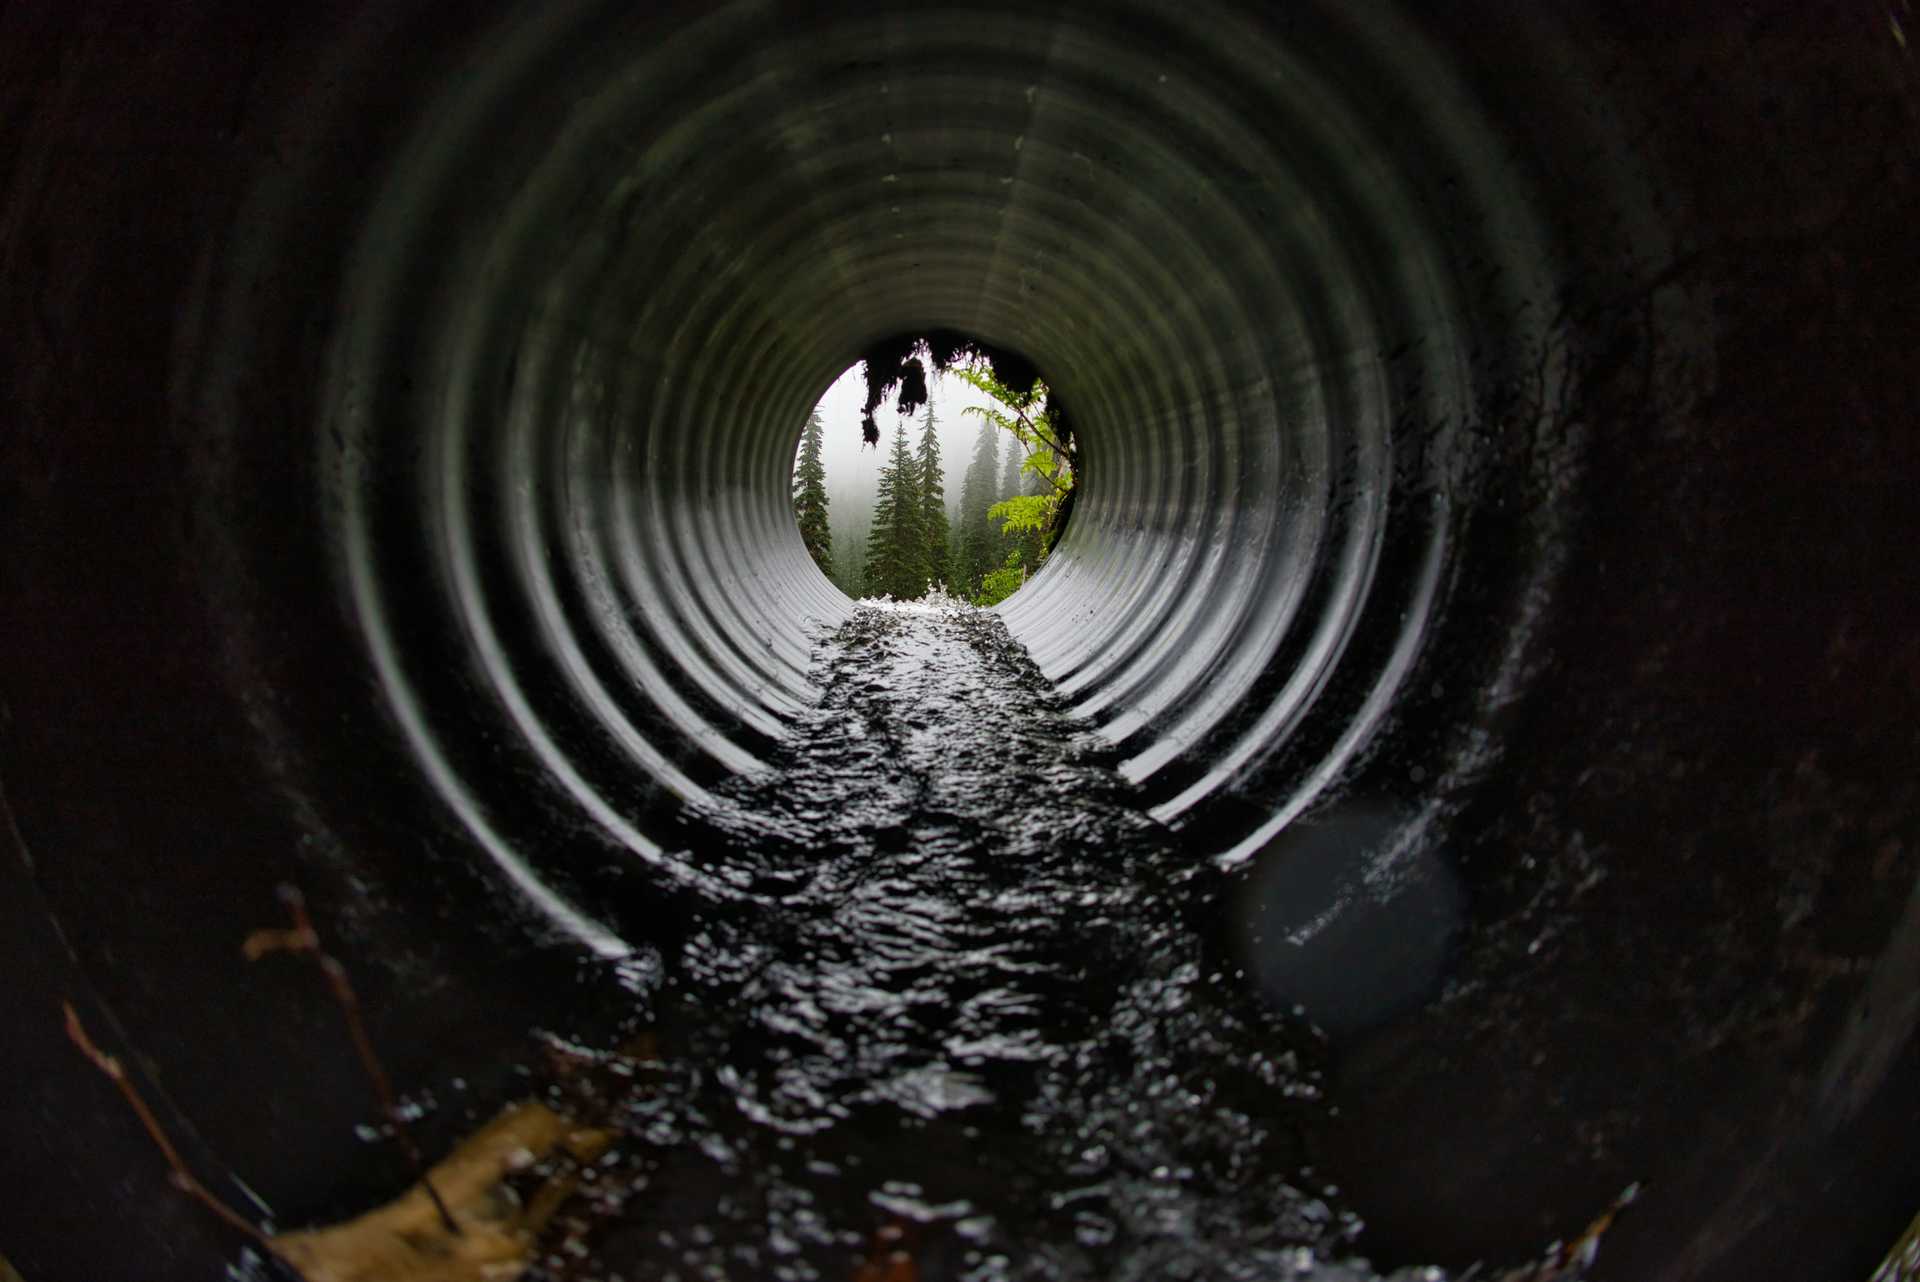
(988, 427)
(1498, 466)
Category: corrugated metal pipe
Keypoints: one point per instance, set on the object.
(1498, 438)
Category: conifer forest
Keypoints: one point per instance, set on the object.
(900, 519)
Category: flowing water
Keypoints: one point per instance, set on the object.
(951, 1001)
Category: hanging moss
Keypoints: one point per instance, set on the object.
(898, 367)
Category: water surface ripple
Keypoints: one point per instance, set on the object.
(951, 995)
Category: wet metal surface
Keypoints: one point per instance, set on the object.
(1499, 469)
(957, 981)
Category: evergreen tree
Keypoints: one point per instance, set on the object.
(1010, 473)
(933, 500)
(975, 546)
(849, 548)
(896, 548)
(810, 496)
(850, 563)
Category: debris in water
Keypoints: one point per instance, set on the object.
(406, 1241)
(303, 938)
(463, 1221)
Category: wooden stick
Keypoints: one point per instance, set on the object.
(303, 938)
(183, 1179)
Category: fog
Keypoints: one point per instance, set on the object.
(853, 469)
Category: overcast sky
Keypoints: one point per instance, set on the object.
(851, 467)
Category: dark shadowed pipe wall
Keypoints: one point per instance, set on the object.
(1497, 525)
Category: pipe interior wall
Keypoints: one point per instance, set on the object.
(1498, 434)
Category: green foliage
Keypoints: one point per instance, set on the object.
(1041, 451)
(810, 496)
(1024, 412)
(1002, 583)
(1024, 512)
(1029, 419)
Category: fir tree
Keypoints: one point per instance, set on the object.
(1010, 473)
(933, 500)
(850, 561)
(976, 550)
(810, 496)
(896, 548)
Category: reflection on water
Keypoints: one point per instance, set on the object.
(948, 999)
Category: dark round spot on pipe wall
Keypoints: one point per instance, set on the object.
(1498, 423)
(1349, 918)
